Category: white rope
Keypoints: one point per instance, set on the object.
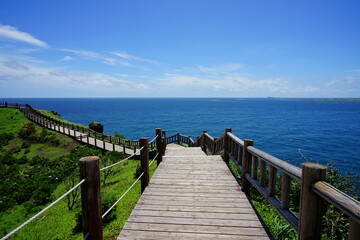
(112, 165)
(154, 139)
(153, 159)
(122, 195)
(86, 236)
(42, 211)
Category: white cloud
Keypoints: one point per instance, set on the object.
(224, 79)
(10, 32)
(133, 58)
(228, 68)
(92, 56)
(21, 71)
(67, 58)
(343, 79)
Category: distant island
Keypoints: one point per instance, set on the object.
(328, 99)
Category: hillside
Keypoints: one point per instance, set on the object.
(39, 165)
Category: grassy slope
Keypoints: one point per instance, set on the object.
(59, 222)
(11, 121)
(57, 117)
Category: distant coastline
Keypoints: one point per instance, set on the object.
(328, 99)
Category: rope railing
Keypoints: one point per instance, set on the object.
(117, 201)
(112, 165)
(42, 211)
(132, 185)
(86, 236)
(154, 139)
(154, 159)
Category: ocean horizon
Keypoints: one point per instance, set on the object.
(286, 128)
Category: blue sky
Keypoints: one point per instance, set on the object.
(179, 48)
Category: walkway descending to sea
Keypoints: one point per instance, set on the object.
(193, 196)
(82, 137)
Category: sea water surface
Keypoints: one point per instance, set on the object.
(322, 130)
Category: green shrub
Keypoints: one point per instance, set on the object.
(27, 130)
(119, 135)
(25, 145)
(5, 138)
(97, 127)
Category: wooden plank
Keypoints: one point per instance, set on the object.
(245, 231)
(138, 234)
(196, 221)
(200, 215)
(179, 208)
(193, 196)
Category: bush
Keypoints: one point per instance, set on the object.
(119, 135)
(25, 145)
(5, 138)
(97, 127)
(27, 130)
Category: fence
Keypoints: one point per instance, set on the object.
(314, 190)
(70, 129)
(90, 187)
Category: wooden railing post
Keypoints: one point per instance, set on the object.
(164, 141)
(311, 205)
(246, 164)
(144, 157)
(203, 141)
(90, 198)
(354, 230)
(226, 146)
(103, 140)
(214, 146)
(159, 147)
(178, 138)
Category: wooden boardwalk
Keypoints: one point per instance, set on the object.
(82, 137)
(192, 196)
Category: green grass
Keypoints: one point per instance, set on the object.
(11, 120)
(59, 222)
(58, 117)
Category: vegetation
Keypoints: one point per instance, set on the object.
(335, 224)
(97, 127)
(119, 135)
(56, 116)
(39, 165)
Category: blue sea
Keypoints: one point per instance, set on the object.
(286, 128)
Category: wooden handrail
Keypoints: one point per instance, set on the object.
(234, 148)
(343, 202)
(285, 167)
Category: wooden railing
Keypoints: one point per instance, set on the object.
(259, 170)
(44, 120)
(179, 138)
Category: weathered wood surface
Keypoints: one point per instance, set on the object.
(82, 137)
(192, 196)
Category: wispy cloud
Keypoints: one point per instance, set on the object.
(22, 71)
(133, 58)
(227, 79)
(12, 33)
(91, 56)
(343, 80)
(67, 58)
(228, 68)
